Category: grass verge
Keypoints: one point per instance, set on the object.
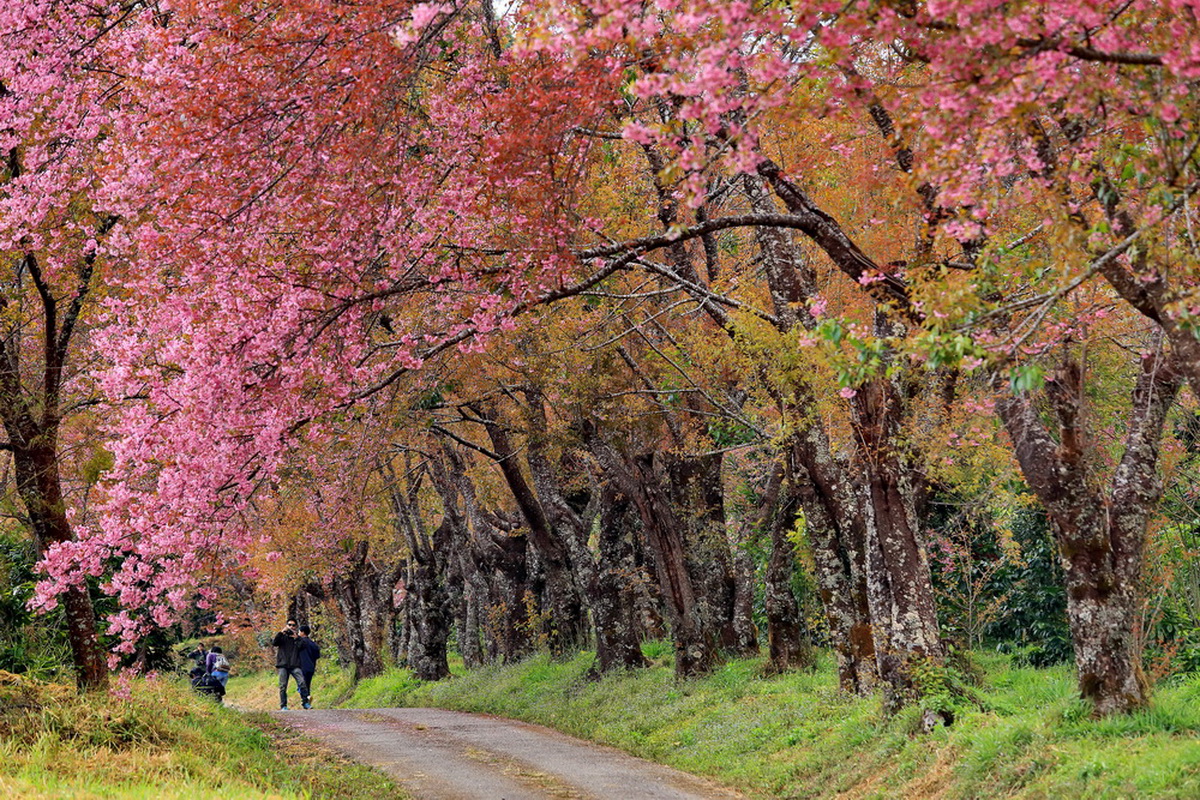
(1024, 734)
(163, 741)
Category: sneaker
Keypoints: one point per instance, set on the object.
(283, 708)
(306, 704)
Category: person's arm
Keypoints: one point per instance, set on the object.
(316, 648)
(279, 639)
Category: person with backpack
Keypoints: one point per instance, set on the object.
(309, 651)
(287, 663)
(203, 680)
(218, 665)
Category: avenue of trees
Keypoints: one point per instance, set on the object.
(558, 325)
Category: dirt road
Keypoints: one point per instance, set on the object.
(448, 755)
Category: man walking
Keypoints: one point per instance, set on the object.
(309, 652)
(287, 662)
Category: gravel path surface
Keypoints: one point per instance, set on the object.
(449, 755)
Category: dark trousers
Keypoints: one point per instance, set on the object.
(301, 684)
(308, 675)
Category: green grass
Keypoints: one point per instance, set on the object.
(795, 735)
(163, 741)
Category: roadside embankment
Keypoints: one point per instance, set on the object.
(1019, 732)
(159, 740)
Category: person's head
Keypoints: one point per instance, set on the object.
(216, 649)
(305, 630)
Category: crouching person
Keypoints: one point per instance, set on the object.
(218, 666)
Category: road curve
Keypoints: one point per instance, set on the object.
(448, 755)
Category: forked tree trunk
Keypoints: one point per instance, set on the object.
(696, 651)
(31, 421)
(899, 586)
(560, 597)
(820, 483)
(493, 559)
(1101, 534)
(606, 576)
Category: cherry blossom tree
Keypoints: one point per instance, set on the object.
(62, 242)
(317, 198)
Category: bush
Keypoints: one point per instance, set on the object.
(29, 644)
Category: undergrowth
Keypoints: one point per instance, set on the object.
(163, 741)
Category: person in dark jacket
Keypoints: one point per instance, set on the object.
(287, 663)
(200, 657)
(309, 651)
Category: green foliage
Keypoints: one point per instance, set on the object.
(659, 651)
(1033, 620)
(1026, 377)
(855, 359)
(28, 643)
(98, 463)
(1021, 604)
(1173, 563)
(729, 433)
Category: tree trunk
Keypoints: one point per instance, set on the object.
(696, 490)
(469, 623)
(429, 621)
(696, 651)
(1101, 535)
(788, 644)
(648, 600)
(819, 483)
(899, 586)
(745, 632)
(493, 558)
(428, 605)
(839, 554)
(1104, 615)
(31, 420)
(606, 575)
(38, 483)
(507, 616)
(364, 598)
(618, 645)
(560, 597)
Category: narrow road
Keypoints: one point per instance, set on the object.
(449, 755)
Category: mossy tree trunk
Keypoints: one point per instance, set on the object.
(1100, 532)
(638, 478)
